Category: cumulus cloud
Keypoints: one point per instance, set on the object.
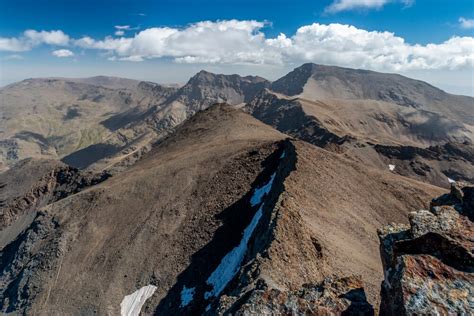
(13, 45)
(345, 5)
(243, 42)
(347, 45)
(63, 53)
(51, 38)
(466, 23)
(119, 33)
(32, 38)
(230, 41)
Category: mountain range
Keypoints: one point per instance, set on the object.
(106, 123)
(234, 195)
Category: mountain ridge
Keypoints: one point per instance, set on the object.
(357, 117)
(186, 203)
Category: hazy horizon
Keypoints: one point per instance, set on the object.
(146, 40)
(453, 89)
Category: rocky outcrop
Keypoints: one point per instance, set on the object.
(329, 297)
(205, 89)
(429, 264)
(289, 117)
(461, 197)
(33, 183)
(434, 164)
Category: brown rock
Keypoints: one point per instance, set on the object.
(330, 297)
(429, 266)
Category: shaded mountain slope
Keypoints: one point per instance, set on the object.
(32, 184)
(223, 185)
(361, 129)
(327, 218)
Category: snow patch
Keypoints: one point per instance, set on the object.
(260, 192)
(186, 296)
(391, 167)
(230, 264)
(132, 304)
(451, 180)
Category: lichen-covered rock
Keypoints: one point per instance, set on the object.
(461, 197)
(429, 265)
(330, 297)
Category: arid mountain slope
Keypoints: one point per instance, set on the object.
(312, 81)
(109, 82)
(51, 118)
(331, 107)
(223, 193)
(128, 143)
(365, 130)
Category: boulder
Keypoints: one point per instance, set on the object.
(429, 265)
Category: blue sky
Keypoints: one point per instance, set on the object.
(173, 45)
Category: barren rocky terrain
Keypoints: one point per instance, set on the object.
(51, 118)
(236, 195)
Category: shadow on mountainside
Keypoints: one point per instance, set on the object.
(234, 219)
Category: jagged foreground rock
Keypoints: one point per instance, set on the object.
(330, 297)
(429, 265)
(226, 214)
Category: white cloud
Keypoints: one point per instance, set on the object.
(122, 27)
(32, 38)
(119, 33)
(134, 58)
(230, 41)
(345, 5)
(63, 53)
(347, 45)
(51, 38)
(466, 23)
(243, 42)
(235, 42)
(13, 45)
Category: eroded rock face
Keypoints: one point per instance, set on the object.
(329, 297)
(429, 265)
(34, 183)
